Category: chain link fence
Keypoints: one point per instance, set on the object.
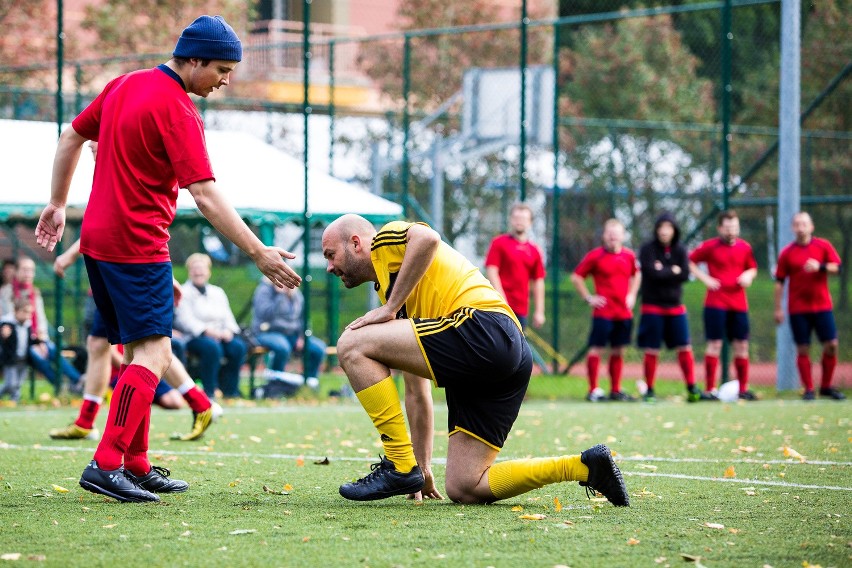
(625, 115)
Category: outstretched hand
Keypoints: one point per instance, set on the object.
(50, 227)
(271, 264)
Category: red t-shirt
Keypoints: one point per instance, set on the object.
(725, 263)
(611, 273)
(150, 142)
(517, 263)
(808, 290)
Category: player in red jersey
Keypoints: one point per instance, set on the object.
(513, 262)
(807, 262)
(731, 269)
(617, 280)
(150, 143)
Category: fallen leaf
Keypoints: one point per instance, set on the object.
(185, 533)
(11, 556)
(714, 525)
(59, 489)
(791, 453)
(288, 487)
(306, 539)
(556, 504)
(266, 489)
(243, 531)
(533, 517)
(730, 472)
(647, 466)
(323, 461)
(255, 439)
(109, 526)
(632, 541)
(36, 557)
(300, 461)
(517, 508)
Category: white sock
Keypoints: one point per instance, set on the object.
(186, 387)
(93, 398)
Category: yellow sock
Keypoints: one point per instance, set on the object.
(381, 401)
(507, 479)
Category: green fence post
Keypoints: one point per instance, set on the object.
(331, 108)
(306, 216)
(554, 247)
(727, 37)
(522, 179)
(406, 118)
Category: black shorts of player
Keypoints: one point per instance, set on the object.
(484, 363)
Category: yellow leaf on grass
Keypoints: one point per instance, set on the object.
(632, 541)
(533, 517)
(791, 453)
(556, 504)
(517, 508)
(288, 487)
(300, 461)
(59, 489)
(730, 472)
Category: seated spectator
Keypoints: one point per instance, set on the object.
(205, 318)
(42, 351)
(278, 326)
(8, 273)
(15, 341)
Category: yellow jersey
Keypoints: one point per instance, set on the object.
(450, 283)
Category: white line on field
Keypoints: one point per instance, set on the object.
(734, 480)
(788, 461)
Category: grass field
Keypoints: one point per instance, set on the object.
(706, 480)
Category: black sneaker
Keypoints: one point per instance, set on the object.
(748, 395)
(809, 395)
(621, 396)
(114, 483)
(604, 475)
(832, 392)
(707, 395)
(157, 481)
(383, 482)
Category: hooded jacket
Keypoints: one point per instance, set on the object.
(663, 287)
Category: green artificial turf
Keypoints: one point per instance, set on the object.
(706, 480)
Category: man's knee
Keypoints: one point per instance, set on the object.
(830, 348)
(97, 346)
(347, 348)
(459, 491)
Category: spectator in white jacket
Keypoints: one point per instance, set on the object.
(204, 315)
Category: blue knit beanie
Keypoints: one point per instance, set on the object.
(209, 37)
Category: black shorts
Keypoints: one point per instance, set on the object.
(484, 363)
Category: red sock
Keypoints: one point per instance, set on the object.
(593, 362)
(650, 367)
(136, 456)
(196, 399)
(130, 405)
(803, 362)
(687, 366)
(88, 413)
(616, 364)
(711, 365)
(829, 362)
(741, 365)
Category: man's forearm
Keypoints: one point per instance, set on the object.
(224, 218)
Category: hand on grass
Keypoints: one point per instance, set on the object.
(429, 490)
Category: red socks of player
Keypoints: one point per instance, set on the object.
(687, 366)
(649, 364)
(741, 365)
(593, 362)
(711, 366)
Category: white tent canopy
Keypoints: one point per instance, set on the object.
(263, 183)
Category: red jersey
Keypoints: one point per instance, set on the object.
(150, 142)
(611, 272)
(725, 263)
(808, 290)
(518, 263)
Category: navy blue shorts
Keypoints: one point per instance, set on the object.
(656, 328)
(615, 333)
(719, 324)
(135, 301)
(821, 322)
(484, 363)
(98, 328)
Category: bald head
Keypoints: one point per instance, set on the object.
(346, 247)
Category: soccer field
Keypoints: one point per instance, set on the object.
(706, 480)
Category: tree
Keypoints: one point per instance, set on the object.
(635, 69)
(29, 38)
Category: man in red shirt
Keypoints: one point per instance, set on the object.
(807, 262)
(617, 279)
(512, 262)
(150, 143)
(731, 269)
